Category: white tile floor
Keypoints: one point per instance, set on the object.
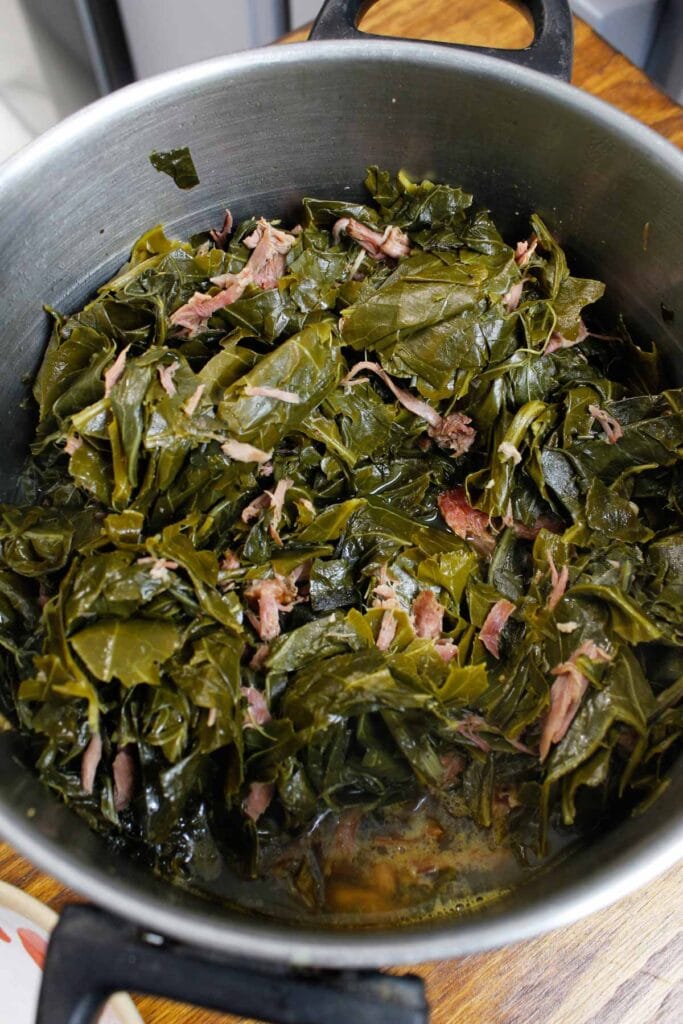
(38, 84)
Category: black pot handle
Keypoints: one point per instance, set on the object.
(93, 953)
(550, 51)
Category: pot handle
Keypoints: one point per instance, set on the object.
(550, 51)
(93, 954)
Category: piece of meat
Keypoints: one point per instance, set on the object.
(546, 522)
(92, 755)
(612, 428)
(123, 771)
(467, 522)
(161, 567)
(384, 593)
(270, 246)
(190, 406)
(269, 499)
(73, 443)
(198, 310)
(427, 615)
(559, 581)
(407, 400)
(525, 250)
(277, 501)
(264, 268)
(512, 298)
(509, 452)
(239, 451)
(272, 597)
(453, 767)
(282, 396)
(257, 712)
(258, 799)
(166, 375)
(494, 624)
(259, 656)
(254, 509)
(387, 631)
(229, 561)
(113, 375)
(392, 242)
(566, 694)
(446, 649)
(220, 237)
(454, 432)
(558, 341)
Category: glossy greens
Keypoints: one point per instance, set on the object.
(398, 520)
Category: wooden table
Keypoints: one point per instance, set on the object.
(625, 964)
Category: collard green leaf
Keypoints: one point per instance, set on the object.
(130, 650)
(178, 164)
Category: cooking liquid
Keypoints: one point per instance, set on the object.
(401, 864)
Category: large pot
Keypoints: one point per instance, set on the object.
(265, 128)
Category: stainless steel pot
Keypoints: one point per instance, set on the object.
(265, 128)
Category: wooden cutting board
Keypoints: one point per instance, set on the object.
(623, 965)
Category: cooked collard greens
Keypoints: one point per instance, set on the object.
(348, 557)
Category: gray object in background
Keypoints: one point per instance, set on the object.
(648, 32)
(629, 25)
(165, 34)
(303, 11)
(665, 63)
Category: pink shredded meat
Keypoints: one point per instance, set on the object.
(454, 432)
(113, 375)
(123, 771)
(166, 375)
(92, 755)
(566, 694)
(558, 340)
(387, 631)
(559, 581)
(278, 393)
(384, 593)
(264, 268)
(446, 649)
(525, 250)
(221, 237)
(409, 401)
(73, 443)
(257, 712)
(453, 766)
(277, 501)
(467, 522)
(392, 242)
(240, 451)
(254, 509)
(190, 406)
(512, 298)
(272, 597)
(258, 799)
(494, 624)
(427, 615)
(612, 428)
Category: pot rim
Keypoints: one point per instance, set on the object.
(265, 940)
